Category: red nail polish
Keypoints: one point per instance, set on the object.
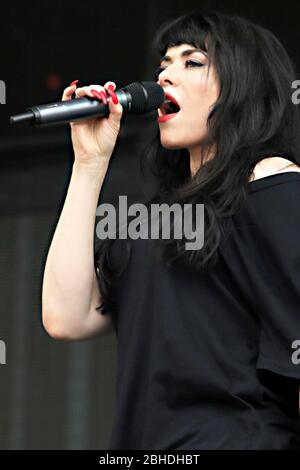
(113, 96)
(111, 87)
(96, 94)
(73, 83)
(103, 94)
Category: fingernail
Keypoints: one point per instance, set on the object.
(113, 96)
(96, 94)
(103, 94)
(111, 87)
(73, 83)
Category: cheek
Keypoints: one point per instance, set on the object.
(191, 126)
(197, 113)
(188, 128)
(206, 94)
(202, 95)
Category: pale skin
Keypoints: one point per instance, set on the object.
(70, 294)
(196, 91)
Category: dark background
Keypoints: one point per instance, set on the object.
(54, 394)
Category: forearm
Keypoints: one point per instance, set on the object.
(69, 269)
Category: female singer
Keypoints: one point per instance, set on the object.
(209, 339)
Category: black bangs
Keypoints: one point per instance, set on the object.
(191, 28)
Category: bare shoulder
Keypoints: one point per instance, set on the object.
(272, 166)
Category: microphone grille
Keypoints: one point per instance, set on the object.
(146, 96)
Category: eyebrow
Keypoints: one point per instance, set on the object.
(184, 53)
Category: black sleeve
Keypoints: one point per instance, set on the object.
(278, 281)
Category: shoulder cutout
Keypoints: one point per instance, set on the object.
(272, 166)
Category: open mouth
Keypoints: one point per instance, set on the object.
(169, 106)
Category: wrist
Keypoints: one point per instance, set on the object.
(93, 167)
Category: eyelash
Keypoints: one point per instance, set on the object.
(160, 69)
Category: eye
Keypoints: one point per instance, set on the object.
(188, 63)
(193, 63)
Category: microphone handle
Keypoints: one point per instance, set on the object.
(74, 110)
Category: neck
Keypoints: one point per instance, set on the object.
(195, 159)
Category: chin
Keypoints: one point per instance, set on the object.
(171, 147)
(170, 144)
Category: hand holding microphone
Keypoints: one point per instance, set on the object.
(95, 124)
(95, 138)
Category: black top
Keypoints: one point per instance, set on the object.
(205, 361)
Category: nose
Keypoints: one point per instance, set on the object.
(164, 80)
(166, 77)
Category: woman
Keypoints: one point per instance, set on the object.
(206, 338)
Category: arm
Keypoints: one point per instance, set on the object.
(70, 291)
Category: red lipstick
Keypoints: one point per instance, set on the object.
(166, 117)
(164, 113)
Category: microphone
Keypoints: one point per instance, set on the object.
(136, 98)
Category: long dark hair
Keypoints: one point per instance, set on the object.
(253, 117)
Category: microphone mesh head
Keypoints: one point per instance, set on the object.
(146, 96)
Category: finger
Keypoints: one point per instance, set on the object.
(100, 95)
(87, 90)
(113, 95)
(110, 90)
(110, 85)
(115, 108)
(68, 92)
